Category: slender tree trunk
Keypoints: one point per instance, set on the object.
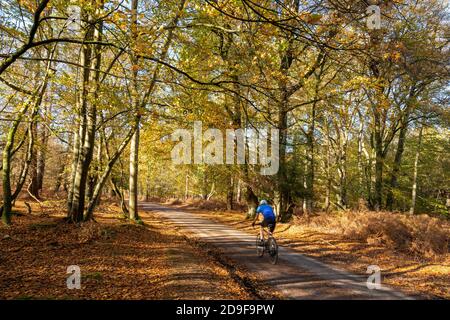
(186, 188)
(230, 193)
(377, 123)
(328, 174)
(34, 186)
(397, 161)
(35, 101)
(38, 163)
(134, 145)
(212, 191)
(103, 178)
(379, 162)
(75, 156)
(42, 153)
(59, 178)
(416, 170)
(28, 160)
(361, 198)
(148, 182)
(6, 172)
(342, 173)
(238, 191)
(119, 193)
(309, 179)
(134, 167)
(282, 191)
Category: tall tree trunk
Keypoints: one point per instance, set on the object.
(186, 188)
(134, 167)
(238, 191)
(60, 177)
(147, 182)
(86, 129)
(416, 170)
(93, 176)
(38, 165)
(342, 173)
(8, 196)
(6, 172)
(75, 156)
(28, 160)
(34, 186)
(104, 176)
(282, 191)
(361, 198)
(134, 145)
(230, 193)
(309, 180)
(118, 192)
(393, 184)
(41, 160)
(328, 172)
(396, 168)
(377, 120)
(139, 104)
(35, 101)
(379, 161)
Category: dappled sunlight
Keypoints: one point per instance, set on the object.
(326, 241)
(118, 260)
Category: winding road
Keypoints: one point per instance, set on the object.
(296, 276)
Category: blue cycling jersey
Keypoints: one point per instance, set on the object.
(266, 211)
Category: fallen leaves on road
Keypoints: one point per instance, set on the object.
(426, 278)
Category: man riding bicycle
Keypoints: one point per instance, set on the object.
(268, 217)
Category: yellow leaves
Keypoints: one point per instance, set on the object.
(311, 18)
(28, 4)
(392, 56)
(358, 82)
(396, 56)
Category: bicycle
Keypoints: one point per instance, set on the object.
(270, 246)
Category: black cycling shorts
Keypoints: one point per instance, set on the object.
(267, 223)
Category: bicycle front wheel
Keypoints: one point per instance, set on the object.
(273, 250)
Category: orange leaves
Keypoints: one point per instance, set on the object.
(135, 68)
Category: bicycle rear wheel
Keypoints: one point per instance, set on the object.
(273, 250)
(259, 246)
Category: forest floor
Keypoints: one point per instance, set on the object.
(123, 260)
(118, 260)
(428, 278)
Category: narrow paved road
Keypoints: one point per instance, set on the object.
(295, 276)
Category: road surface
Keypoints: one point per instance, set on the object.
(296, 276)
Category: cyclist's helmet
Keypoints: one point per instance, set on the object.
(262, 202)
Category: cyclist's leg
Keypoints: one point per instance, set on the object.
(272, 227)
(264, 224)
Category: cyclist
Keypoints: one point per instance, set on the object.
(268, 217)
